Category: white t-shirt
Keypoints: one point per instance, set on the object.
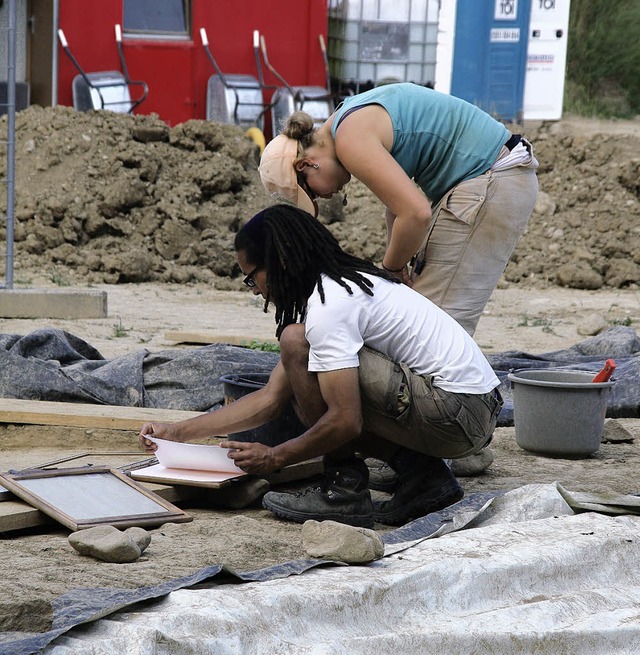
(400, 323)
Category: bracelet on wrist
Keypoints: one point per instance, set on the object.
(392, 270)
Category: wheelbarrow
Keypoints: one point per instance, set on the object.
(109, 90)
(237, 98)
(316, 101)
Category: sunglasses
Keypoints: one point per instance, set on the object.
(302, 181)
(249, 281)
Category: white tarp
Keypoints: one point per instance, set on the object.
(527, 576)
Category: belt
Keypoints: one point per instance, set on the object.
(513, 141)
(496, 399)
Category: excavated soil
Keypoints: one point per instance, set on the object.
(112, 198)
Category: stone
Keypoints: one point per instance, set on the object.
(545, 205)
(339, 542)
(108, 544)
(578, 275)
(615, 432)
(140, 536)
(592, 325)
(466, 467)
(240, 494)
(621, 272)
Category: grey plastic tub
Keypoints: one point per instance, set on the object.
(559, 413)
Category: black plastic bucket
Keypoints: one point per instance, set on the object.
(285, 427)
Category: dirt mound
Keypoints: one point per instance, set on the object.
(585, 230)
(108, 198)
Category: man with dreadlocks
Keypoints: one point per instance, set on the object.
(373, 369)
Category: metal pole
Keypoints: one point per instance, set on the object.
(54, 54)
(11, 141)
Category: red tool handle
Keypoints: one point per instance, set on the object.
(606, 372)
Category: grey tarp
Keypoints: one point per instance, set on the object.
(51, 364)
(84, 605)
(55, 365)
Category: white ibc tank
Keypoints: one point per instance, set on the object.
(379, 41)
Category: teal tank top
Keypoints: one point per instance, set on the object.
(438, 140)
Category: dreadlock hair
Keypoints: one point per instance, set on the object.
(295, 249)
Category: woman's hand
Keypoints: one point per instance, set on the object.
(251, 457)
(406, 278)
(402, 275)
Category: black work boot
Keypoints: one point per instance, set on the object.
(342, 496)
(425, 485)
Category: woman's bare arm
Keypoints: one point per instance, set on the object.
(363, 142)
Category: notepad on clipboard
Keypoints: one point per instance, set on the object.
(198, 465)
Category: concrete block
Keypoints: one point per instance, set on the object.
(53, 303)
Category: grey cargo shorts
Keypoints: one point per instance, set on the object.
(407, 409)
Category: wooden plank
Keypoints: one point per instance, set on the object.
(300, 471)
(207, 338)
(41, 412)
(18, 515)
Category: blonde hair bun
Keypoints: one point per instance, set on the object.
(298, 126)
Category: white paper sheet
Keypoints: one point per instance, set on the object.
(196, 457)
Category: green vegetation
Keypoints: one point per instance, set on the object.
(544, 323)
(626, 321)
(603, 59)
(267, 346)
(59, 279)
(119, 330)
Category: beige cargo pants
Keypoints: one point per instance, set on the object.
(474, 230)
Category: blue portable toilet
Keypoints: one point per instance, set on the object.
(490, 55)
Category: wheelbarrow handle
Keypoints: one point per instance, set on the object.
(63, 39)
(323, 47)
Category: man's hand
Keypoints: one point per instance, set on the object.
(251, 457)
(159, 431)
